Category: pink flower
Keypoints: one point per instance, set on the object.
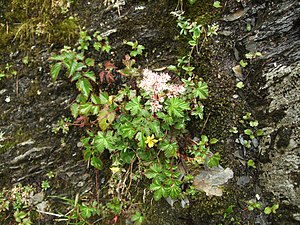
(155, 106)
(153, 82)
(175, 90)
(157, 87)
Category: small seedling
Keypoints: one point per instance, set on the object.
(228, 211)
(217, 4)
(233, 130)
(25, 60)
(50, 175)
(240, 85)
(136, 48)
(253, 123)
(45, 185)
(251, 163)
(137, 218)
(248, 27)
(253, 204)
(268, 210)
(251, 55)
(243, 63)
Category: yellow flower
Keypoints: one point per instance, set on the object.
(115, 169)
(151, 141)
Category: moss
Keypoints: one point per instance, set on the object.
(65, 32)
(31, 22)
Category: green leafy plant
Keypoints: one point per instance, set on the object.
(268, 210)
(251, 163)
(252, 55)
(136, 48)
(143, 122)
(248, 132)
(243, 63)
(138, 218)
(196, 35)
(50, 174)
(240, 85)
(15, 203)
(217, 4)
(45, 185)
(81, 212)
(253, 204)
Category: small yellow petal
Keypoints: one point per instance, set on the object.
(115, 169)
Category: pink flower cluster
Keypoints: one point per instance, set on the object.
(156, 85)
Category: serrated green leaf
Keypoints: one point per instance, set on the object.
(137, 218)
(57, 57)
(134, 105)
(176, 107)
(75, 110)
(150, 175)
(97, 46)
(73, 67)
(90, 75)
(85, 108)
(106, 48)
(140, 136)
(214, 160)
(198, 111)
(81, 98)
(80, 56)
(96, 162)
(201, 90)
(103, 124)
(111, 117)
(127, 131)
(95, 99)
(213, 141)
(127, 156)
(104, 97)
(158, 194)
(174, 191)
(90, 62)
(165, 117)
(55, 69)
(84, 86)
(76, 77)
(95, 110)
(155, 167)
(102, 141)
(170, 149)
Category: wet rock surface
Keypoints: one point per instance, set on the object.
(30, 104)
(277, 100)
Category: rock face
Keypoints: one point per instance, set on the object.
(278, 100)
(282, 144)
(30, 104)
